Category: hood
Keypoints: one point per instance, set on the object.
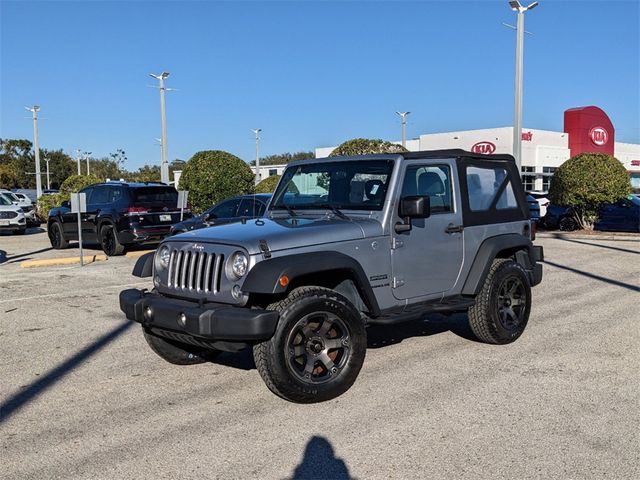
(284, 233)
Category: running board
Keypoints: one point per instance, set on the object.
(417, 310)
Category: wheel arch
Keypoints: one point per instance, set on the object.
(501, 246)
(325, 269)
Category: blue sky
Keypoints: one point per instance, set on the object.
(309, 73)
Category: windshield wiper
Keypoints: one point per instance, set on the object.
(334, 209)
(290, 210)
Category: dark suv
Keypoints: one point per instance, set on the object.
(118, 215)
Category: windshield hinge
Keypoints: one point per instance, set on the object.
(397, 282)
(396, 243)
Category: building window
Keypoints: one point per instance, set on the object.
(272, 172)
(528, 178)
(547, 173)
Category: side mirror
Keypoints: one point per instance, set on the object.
(66, 204)
(415, 206)
(205, 217)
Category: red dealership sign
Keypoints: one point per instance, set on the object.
(599, 136)
(483, 147)
(527, 136)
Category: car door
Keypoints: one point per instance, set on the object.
(70, 219)
(427, 259)
(99, 200)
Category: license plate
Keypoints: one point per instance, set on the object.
(165, 218)
(4, 222)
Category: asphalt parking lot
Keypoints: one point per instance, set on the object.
(82, 396)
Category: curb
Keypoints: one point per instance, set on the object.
(50, 262)
(578, 236)
(137, 253)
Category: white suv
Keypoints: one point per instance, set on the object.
(11, 216)
(24, 203)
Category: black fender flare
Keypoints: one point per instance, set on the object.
(489, 250)
(144, 266)
(263, 278)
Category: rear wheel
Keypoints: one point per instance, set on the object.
(56, 236)
(176, 352)
(568, 224)
(318, 348)
(502, 307)
(109, 241)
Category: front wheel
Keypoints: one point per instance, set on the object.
(109, 241)
(568, 224)
(318, 348)
(502, 307)
(56, 236)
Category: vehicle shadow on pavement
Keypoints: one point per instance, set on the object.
(618, 283)
(320, 462)
(379, 336)
(29, 392)
(619, 249)
(14, 258)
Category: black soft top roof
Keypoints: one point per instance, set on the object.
(457, 152)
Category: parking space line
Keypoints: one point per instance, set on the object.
(75, 292)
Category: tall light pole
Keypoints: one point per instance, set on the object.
(517, 122)
(46, 159)
(257, 132)
(87, 155)
(36, 148)
(403, 115)
(78, 160)
(164, 162)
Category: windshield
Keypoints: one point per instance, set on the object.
(4, 200)
(351, 185)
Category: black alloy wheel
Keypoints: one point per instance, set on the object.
(109, 241)
(511, 302)
(56, 237)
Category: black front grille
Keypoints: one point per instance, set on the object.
(8, 214)
(195, 271)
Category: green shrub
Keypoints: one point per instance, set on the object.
(587, 181)
(268, 185)
(365, 146)
(75, 183)
(46, 203)
(213, 175)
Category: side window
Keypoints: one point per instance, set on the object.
(261, 208)
(226, 209)
(116, 194)
(88, 192)
(100, 195)
(483, 185)
(431, 180)
(249, 208)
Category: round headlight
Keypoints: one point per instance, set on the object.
(239, 264)
(163, 257)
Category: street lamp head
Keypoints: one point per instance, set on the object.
(532, 6)
(161, 76)
(403, 114)
(515, 5)
(164, 74)
(256, 130)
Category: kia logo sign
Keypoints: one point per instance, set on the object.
(599, 136)
(483, 147)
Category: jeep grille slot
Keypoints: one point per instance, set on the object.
(195, 271)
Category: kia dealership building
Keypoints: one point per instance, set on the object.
(586, 129)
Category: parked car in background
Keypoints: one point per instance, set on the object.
(542, 197)
(534, 208)
(11, 216)
(228, 211)
(622, 216)
(119, 215)
(560, 218)
(25, 205)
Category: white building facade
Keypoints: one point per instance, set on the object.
(587, 129)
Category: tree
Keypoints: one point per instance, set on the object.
(283, 158)
(213, 175)
(72, 184)
(268, 185)
(106, 168)
(146, 173)
(61, 166)
(587, 181)
(365, 146)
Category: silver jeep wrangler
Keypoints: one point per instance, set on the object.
(346, 242)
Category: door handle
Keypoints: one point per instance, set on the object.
(451, 228)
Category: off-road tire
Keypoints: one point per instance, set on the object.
(487, 316)
(283, 370)
(56, 236)
(109, 241)
(178, 353)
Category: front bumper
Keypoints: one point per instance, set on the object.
(209, 321)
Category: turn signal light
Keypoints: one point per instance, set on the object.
(283, 281)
